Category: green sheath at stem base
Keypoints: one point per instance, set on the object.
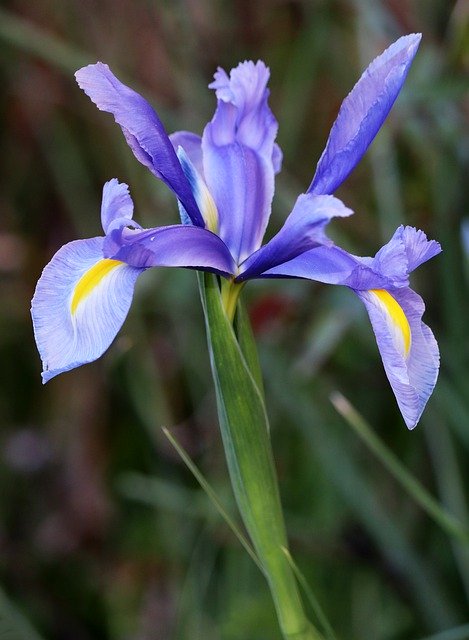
(245, 434)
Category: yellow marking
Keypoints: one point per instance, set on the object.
(90, 280)
(209, 208)
(397, 315)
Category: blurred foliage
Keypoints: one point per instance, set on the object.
(104, 533)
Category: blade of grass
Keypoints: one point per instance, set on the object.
(450, 484)
(315, 606)
(13, 623)
(447, 521)
(458, 633)
(359, 494)
(26, 36)
(212, 495)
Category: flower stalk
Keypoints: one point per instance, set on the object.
(245, 434)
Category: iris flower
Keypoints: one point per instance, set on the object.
(224, 184)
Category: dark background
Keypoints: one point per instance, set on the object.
(103, 531)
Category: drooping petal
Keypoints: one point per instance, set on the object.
(173, 246)
(116, 204)
(362, 113)
(80, 303)
(238, 156)
(303, 230)
(142, 128)
(407, 346)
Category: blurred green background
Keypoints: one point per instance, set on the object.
(104, 533)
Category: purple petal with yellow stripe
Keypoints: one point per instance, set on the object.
(80, 303)
(142, 129)
(362, 113)
(407, 346)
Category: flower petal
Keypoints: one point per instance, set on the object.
(418, 248)
(192, 145)
(412, 363)
(302, 231)
(116, 203)
(173, 246)
(80, 303)
(327, 264)
(362, 113)
(142, 128)
(202, 195)
(239, 156)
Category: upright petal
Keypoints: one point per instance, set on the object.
(173, 246)
(417, 247)
(407, 346)
(202, 195)
(80, 303)
(303, 230)
(240, 158)
(142, 129)
(116, 204)
(192, 145)
(362, 113)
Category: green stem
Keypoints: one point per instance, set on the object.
(229, 295)
(245, 434)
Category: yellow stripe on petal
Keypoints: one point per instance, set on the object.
(91, 279)
(396, 318)
(208, 208)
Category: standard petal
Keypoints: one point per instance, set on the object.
(116, 203)
(303, 230)
(240, 158)
(407, 346)
(192, 145)
(362, 113)
(173, 246)
(80, 303)
(418, 248)
(202, 195)
(142, 128)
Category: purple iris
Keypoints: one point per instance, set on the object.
(224, 183)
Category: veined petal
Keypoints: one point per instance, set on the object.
(116, 203)
(80, 303)
(407, 346)
(192, 145)
(417, 247)
(362, 113)
(303, 230)
(173, 246)
(142, 128)
(332, 265)
(202, 195)
(239, 156)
